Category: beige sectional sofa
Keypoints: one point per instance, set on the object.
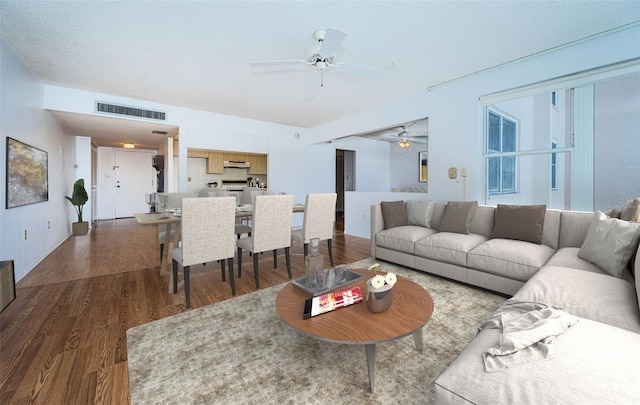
(594, 361)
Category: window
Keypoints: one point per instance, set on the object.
(554, 165)
(501, 138)
(554, 99)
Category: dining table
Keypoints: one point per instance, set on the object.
(171, 218)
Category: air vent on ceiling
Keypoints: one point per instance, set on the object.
(130, 111)
(157, 132)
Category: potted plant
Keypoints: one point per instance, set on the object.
(79, 198)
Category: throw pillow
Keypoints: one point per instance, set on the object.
(520, 222)
(394, 214)
(419, 212)
(613, 213)
(610, 242)
(631, 211)
(457, 216)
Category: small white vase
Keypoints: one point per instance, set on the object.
(379, 299)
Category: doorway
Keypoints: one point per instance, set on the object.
(345, 180)
(134, 177)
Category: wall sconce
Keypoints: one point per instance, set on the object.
(128, 145)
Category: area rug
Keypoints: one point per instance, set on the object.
(239, 351)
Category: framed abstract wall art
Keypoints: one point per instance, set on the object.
(27, 174)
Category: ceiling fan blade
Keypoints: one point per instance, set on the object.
(333, 37)
(361, 71)
(278, 63)
(419, 140)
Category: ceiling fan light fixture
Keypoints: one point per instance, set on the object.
(404, 144)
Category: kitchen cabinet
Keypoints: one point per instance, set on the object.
(258, 164)
(235, 156)
(215, 162)
(197, 153)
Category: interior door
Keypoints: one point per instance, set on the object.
(134, 177)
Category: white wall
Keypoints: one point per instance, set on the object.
(617, 134)
(21, 117)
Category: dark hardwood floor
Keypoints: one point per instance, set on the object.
(63, 339)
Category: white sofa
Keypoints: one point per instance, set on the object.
(596, 361)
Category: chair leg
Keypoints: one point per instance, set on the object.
(330, 251)
(239, 262)
(175, 276)
(255, 270)
(306, 249)
(187, 289)
(275, 258)
(231, 279)
(288, 260)
(223, 270)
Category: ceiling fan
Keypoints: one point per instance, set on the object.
(405, 139)
(320, 57)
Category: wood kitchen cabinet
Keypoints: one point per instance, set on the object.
(258, 164)
(215, 162)
(235, 156)
(197, 153)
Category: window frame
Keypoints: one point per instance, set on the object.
(502, 155)
(554, 165)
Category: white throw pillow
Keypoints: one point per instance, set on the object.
(610, 243)
(419, 212)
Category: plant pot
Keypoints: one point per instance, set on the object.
(80, 228)
(379, 299)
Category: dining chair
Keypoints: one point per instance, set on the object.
(271, 231)
(168, 201)
(208, 234)
(318, 221)
(241, 228)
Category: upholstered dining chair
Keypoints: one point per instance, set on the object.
(271, 231)
(208, 234)
(241, 228)
(168, 201)
(318, 221)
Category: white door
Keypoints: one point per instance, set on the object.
(134, 177)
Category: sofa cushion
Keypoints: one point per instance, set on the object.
(610, 243)
(458, 216)
(419, 212)
(568, 257)
(520, 222)
(599, 297)
(448, 247)
(393, 214)
(514, 259)
(402, 238)
(594, 363)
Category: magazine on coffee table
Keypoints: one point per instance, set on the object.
(331, 301)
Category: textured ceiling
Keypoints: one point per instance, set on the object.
(197, 54)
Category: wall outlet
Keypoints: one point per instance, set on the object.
(48, 224)
(25, 234)
(364, 216)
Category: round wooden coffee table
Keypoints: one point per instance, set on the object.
(411, 310)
